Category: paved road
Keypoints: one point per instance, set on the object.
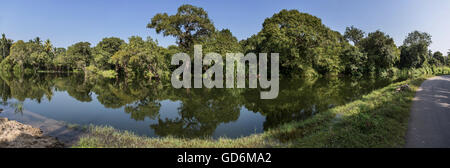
(429, 125)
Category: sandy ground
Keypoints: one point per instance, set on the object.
(17, 135)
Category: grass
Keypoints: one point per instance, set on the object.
(108, 137)
(379, 119)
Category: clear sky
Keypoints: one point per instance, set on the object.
(65, 22)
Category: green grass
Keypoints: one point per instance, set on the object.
(379, 119)
(108, 137)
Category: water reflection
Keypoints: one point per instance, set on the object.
(157, 109)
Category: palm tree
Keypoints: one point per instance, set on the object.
(48, 46)
(37, 40)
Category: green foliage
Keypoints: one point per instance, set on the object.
(438, 59)
(34, 55)
(302, 41)
(80, 55)
(414, 52)
(6, 64)
(353, 34)
(5, 45)
(61, 62)
(18, 70)
(188, 25)
(382, 53)
(108, 73)
(354, 61)
(141, 57)
(91, 71)
(104, 50)
(306, 47)
(221, 42)
(19, 52)
(108, 137)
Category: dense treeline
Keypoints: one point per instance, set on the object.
(307, 47)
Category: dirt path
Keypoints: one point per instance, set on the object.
(17, 135)
(429, 125)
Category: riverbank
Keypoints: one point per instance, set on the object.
(17, 135)
(378, 119)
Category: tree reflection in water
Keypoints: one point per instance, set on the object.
(200, 111)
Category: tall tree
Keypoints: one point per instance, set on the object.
(355, 62)
(80, 55)
(36, 40)
(60, 60)
(20, 53)
(48, 47)
(140, 57)
(304, 44)
(382, 53)
(353, 34)
(49, 54)
(414, 52)
(5, 46)
(221, 42)
(438, 59)
(188, 25)
(104, 50)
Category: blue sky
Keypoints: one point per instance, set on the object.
(65, 22)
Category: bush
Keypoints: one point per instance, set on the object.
(6, 64)
(91, 70)
(28, 71)
(17, 69)
(108, 73)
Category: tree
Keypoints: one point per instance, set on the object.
(252, 44)
(188, 25)
(20, 53)
(48, 54)
(304, 44)
(36, 40)
(150, 60)
(140, 57)
(414, 52)
(438, 59)
(447, 60)
(31, 55)
(48, 47)
(80, 55)
(60, 60)
(354, 60)
(221, 42)
(104, 50)
(353, 34)
(382, 53)
(5, 45)
(39, 60)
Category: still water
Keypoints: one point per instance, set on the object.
(156, 109)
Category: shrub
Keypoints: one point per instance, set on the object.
(108, 73)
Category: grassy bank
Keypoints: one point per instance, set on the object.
(378, 119)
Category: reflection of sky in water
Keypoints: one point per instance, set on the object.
(247, 123)
(153, 111)
(64, 108)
